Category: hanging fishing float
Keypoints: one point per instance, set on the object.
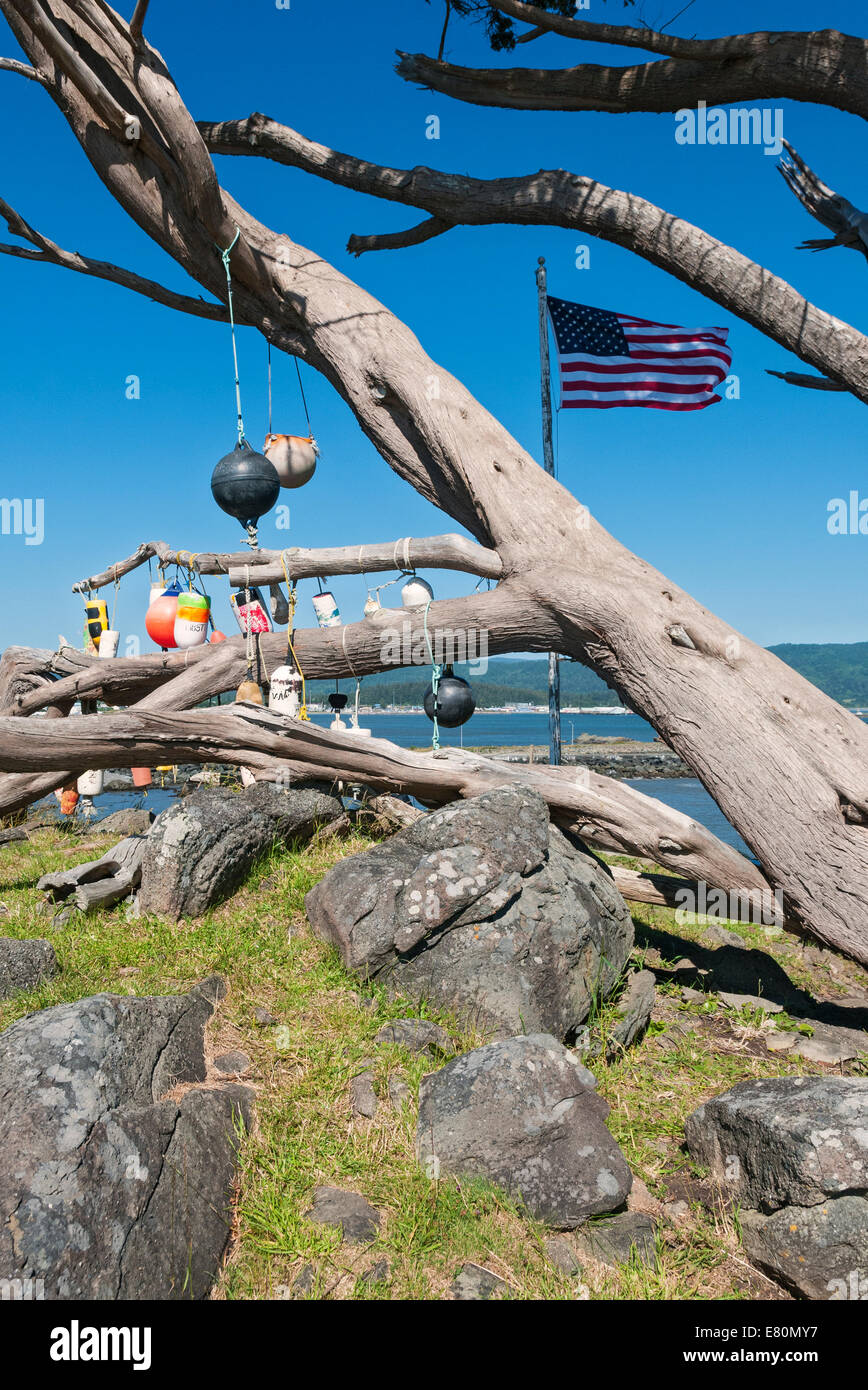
(161, 615)
(451, 703)
(294, 455)
(416, 592)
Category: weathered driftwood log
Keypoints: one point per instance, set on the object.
(606, 813)
(99, 882)
(451, 551)
(786, 764)
(9, 836)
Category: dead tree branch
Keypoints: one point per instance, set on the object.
(825, 67)
(556, 197)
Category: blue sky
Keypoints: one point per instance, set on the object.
(730, 502)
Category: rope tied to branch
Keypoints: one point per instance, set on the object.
(224, 256)
(436, 673)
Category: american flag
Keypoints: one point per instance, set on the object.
(607, 359)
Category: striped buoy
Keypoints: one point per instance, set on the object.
(191, 620)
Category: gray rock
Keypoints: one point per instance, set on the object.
(634, 1012)
(820, 1252)
(349, 1213)
(484, 907)
(134, 821)
(473, 1283)
(785, 1141)
(517, 1113)
(716, 935)
(399, 1092)
(304, 1284)
(749, 1001)
(362, 1097)
(831, 1045)
(417, 1035)
(25, 964)
(233, 1063)
(108, 1190)
(378, 1273)
(618, 1238)
(561, 1254)
(200, 849)
(263, 1019)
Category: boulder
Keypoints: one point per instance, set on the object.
(25, 964)
(484, 907)
(785, 1141)
(520, 1114)
(109, 1187)
(416, 1035)
(134, 820)
(819, 1252)
(200, 849)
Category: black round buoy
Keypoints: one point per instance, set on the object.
(245, 484)
(338, 700)
(455, 702)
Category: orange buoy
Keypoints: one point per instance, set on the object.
(161, 615)
(68, 799)
(142, 777)
(217, 636)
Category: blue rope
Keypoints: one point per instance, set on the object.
(224, 256)
(436, 673)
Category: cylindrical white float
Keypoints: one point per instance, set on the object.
(326, 609)
(285, 694)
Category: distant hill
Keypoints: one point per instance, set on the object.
(838, 668)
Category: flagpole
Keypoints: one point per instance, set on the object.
(549, 462)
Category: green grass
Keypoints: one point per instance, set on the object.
(305, 1133)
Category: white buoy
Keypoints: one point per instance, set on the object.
(372, 606)
(416, 592)
(293, 456)
(247, 777)
(326, 608)
(191, 621)
(285, 694)
(90, 783)
(108, 644)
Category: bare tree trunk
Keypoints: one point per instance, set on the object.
(786, 764)
(607, 813)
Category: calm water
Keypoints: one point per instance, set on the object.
(487, 730)
(499, 730)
